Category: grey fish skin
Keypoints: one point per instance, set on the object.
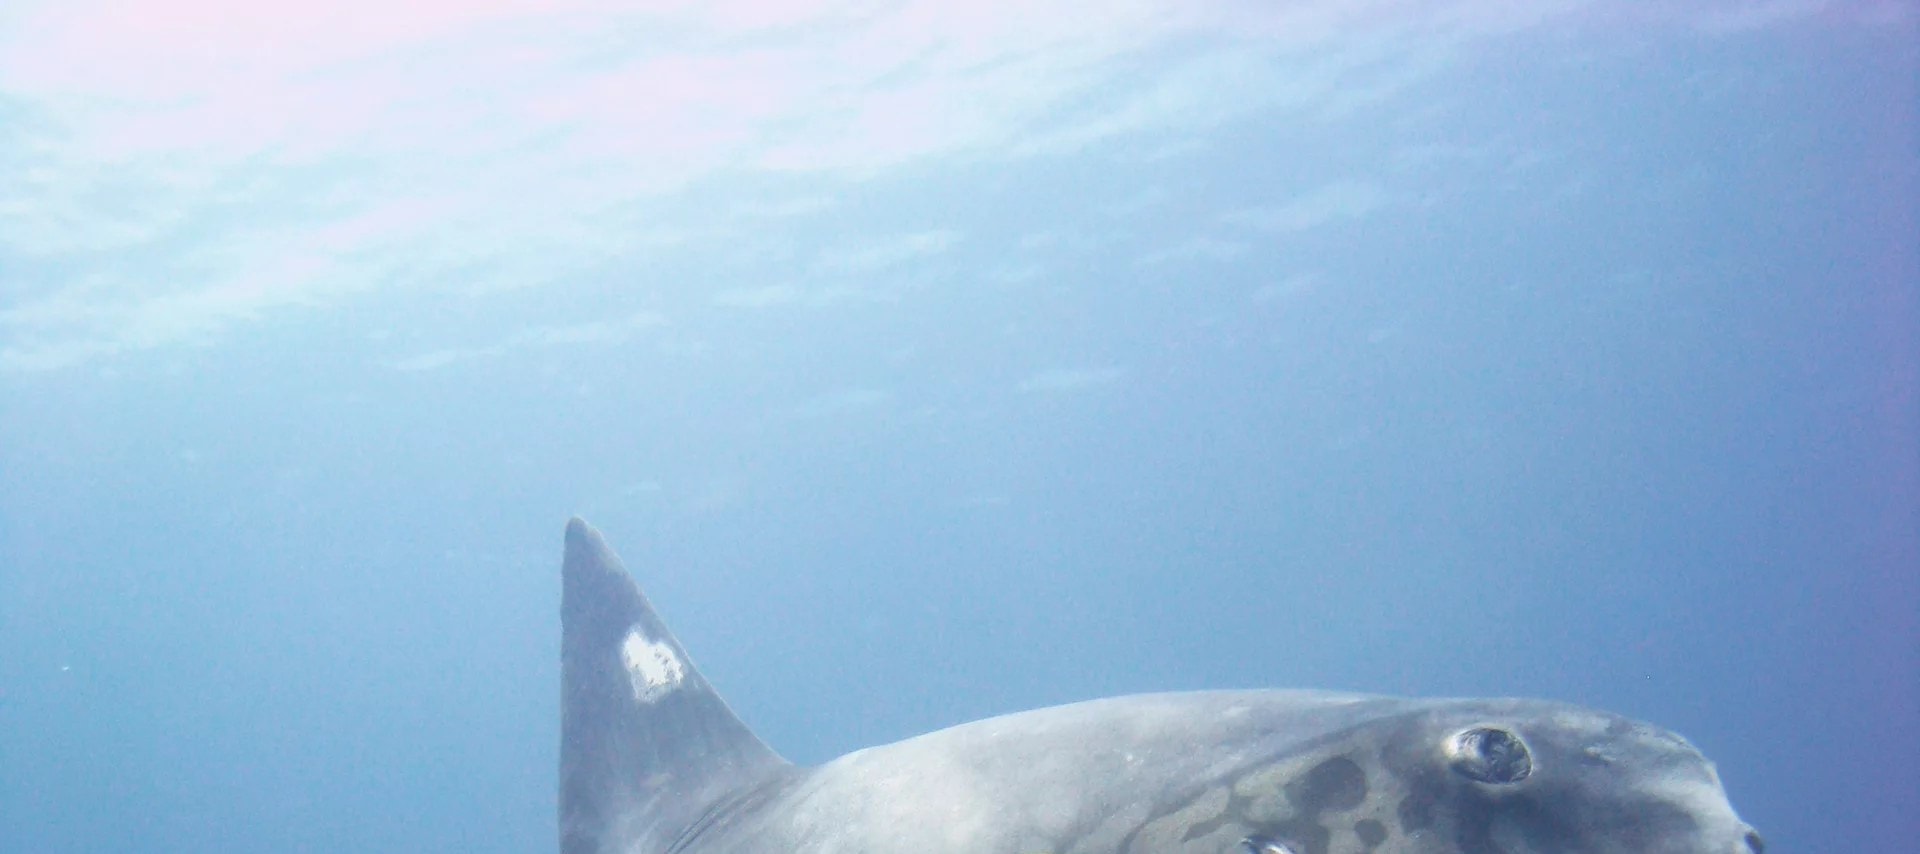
(653, 762)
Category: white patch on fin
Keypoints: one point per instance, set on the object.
(653, 668)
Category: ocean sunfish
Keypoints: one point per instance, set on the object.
(652, 761)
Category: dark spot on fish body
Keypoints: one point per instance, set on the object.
(1336, 784)
(1417, 810)
(1371, 833)
(1541, 828)
(1636, 826)
(1476, 812)
(1473, 831)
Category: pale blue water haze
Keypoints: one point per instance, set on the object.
(1441, 349)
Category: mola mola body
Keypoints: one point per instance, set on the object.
(653, 762)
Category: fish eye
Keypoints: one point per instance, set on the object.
(1263, 845)
(1487, 754)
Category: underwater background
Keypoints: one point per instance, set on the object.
(932, 360)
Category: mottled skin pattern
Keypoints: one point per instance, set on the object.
(1246, 772)
(1311, 773)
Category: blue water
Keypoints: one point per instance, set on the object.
(1579, 364)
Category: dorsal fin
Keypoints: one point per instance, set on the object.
(646, 745)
